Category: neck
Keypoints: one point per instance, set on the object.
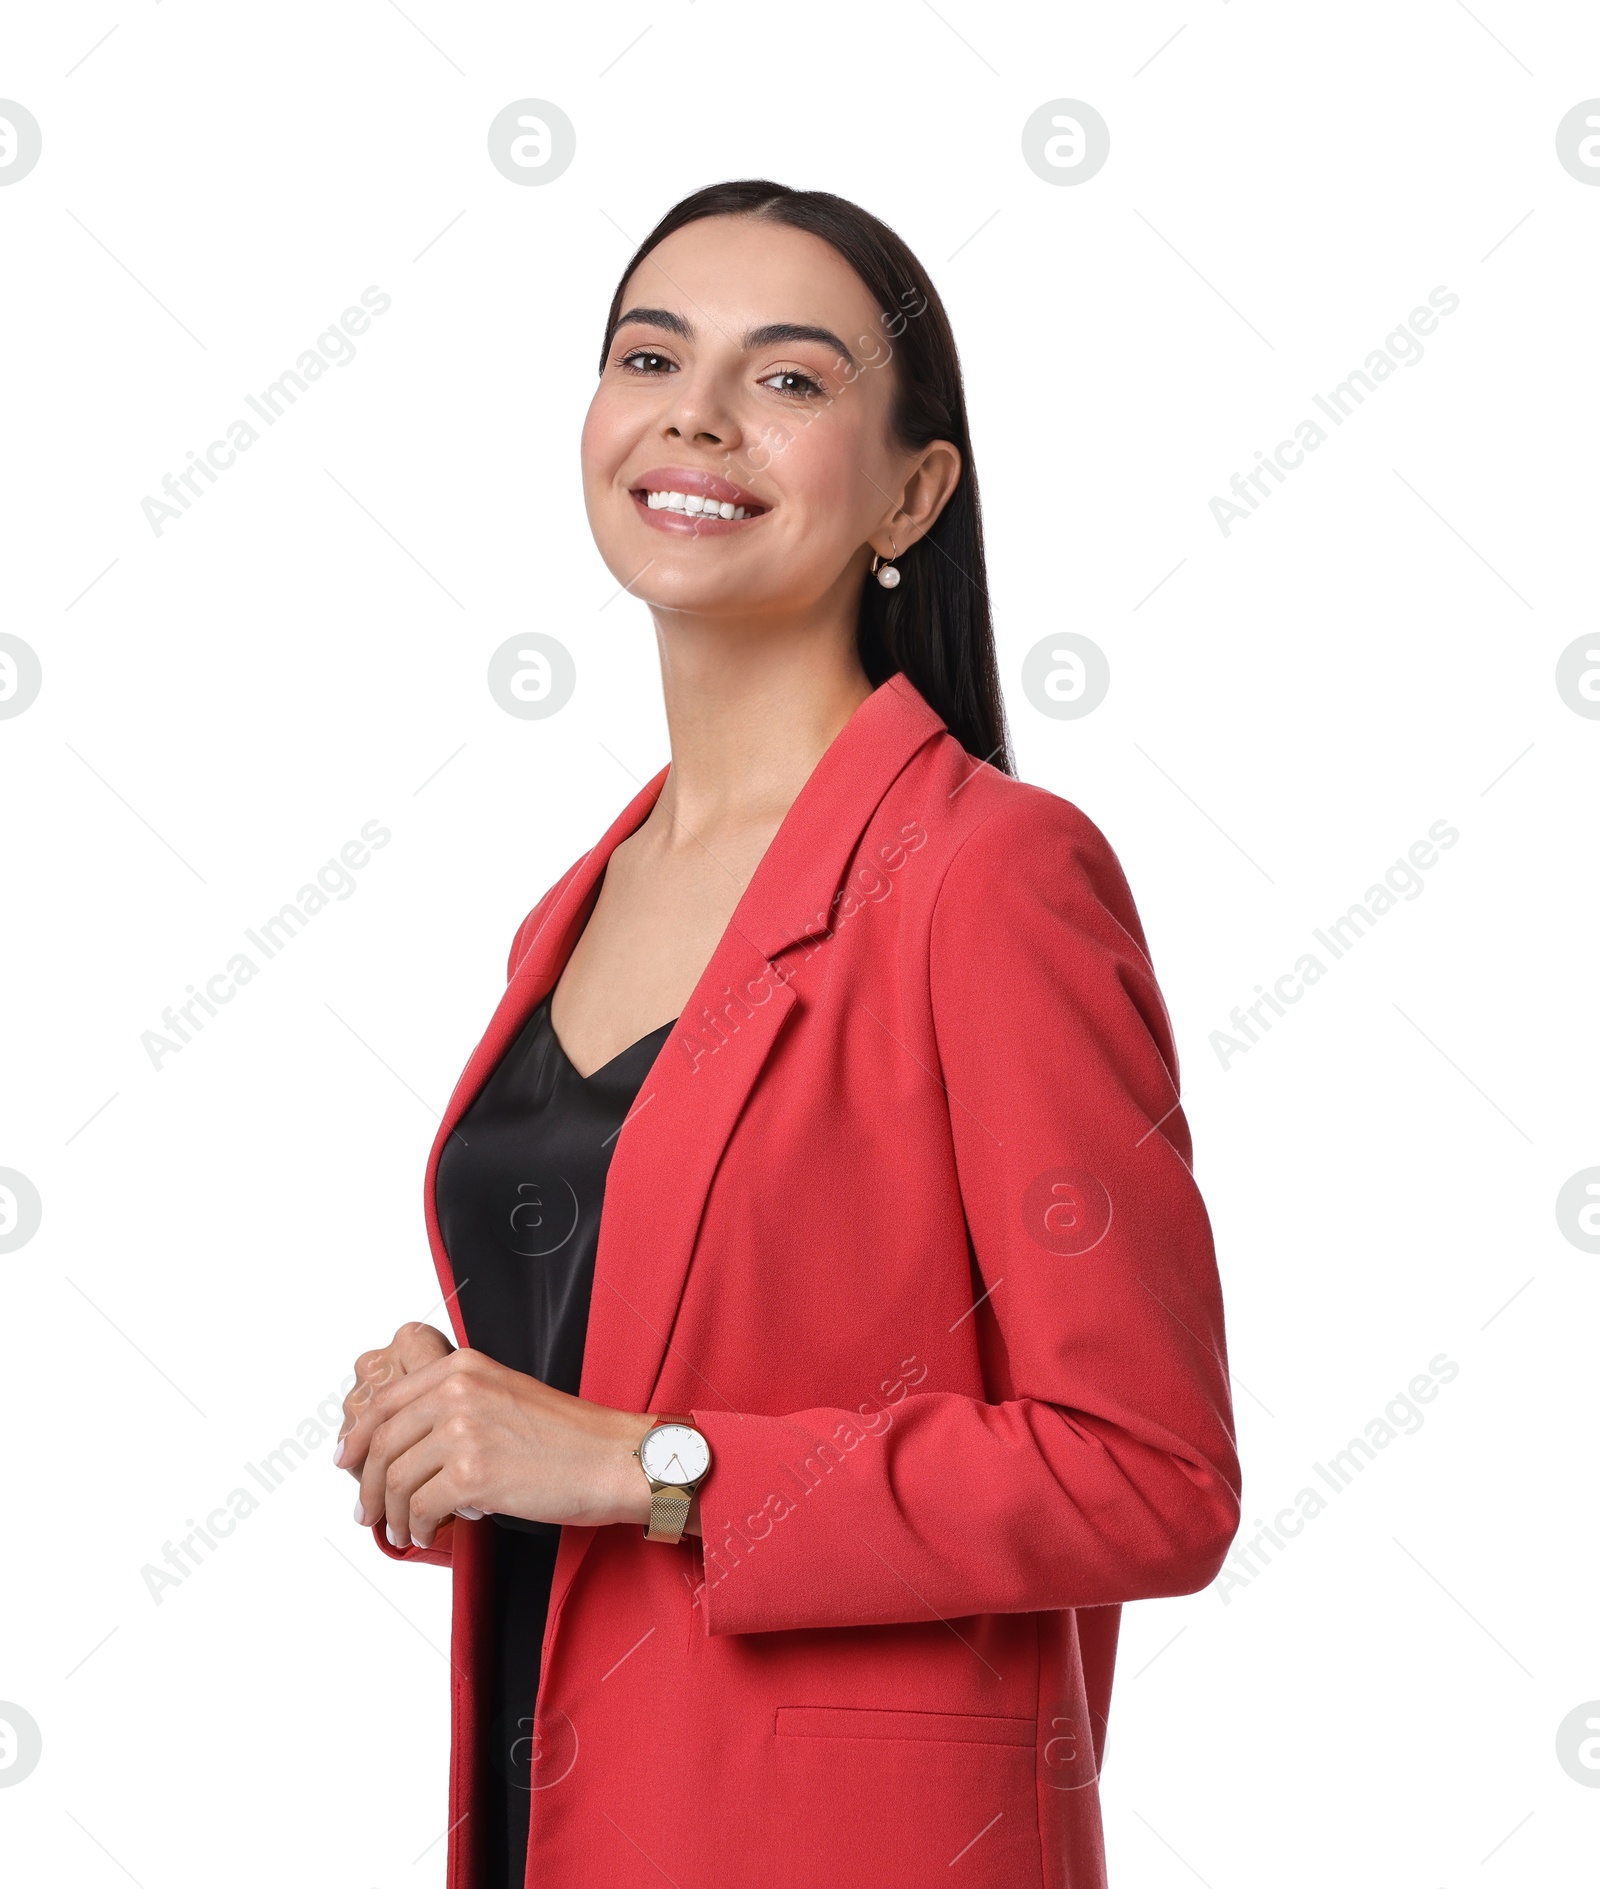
(751, 709)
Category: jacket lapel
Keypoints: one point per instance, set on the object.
(667, 1153)
(673, 1140)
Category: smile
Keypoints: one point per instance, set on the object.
(689, 501)
(692, 503)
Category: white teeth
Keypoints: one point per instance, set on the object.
(691, 503)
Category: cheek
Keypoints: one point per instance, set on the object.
(819, 472)
(602, 445)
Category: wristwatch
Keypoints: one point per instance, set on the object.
(676, 1458)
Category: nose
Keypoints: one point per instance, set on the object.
(700, 413)
(698, 437)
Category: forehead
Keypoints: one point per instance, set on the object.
(740, 272)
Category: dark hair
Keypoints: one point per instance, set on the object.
(935, 625)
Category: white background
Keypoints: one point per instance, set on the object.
(1291, 706)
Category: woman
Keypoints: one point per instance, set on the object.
(857, 1040)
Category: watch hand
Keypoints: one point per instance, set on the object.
(681, 1470)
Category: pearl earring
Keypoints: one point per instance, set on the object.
(885, 572)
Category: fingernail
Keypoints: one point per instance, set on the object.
(393, 1539)
(361, 1513)
(471, 1515)
(338, 1452)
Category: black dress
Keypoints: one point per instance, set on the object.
(519, 1190)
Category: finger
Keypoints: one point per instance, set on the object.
(374, 1370)
(418, 1344)
(406, 1475)
(349, 1449)
(434, 1501)
(389, 1441)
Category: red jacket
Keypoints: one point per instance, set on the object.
(904, 1218)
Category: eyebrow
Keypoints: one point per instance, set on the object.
(765, 337)
(779, 331)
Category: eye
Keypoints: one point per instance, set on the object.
(803, 386)
(658, 363)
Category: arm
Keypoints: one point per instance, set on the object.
(1108, 1473)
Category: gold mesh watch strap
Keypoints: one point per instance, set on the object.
(669, 1510)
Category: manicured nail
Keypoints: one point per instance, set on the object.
(361, 1513)
(338, 1452)
(393, 1538)
(471, 1515)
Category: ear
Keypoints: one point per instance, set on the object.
(931, 478)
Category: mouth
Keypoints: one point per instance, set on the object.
(677, 498)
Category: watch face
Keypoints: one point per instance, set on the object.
(673, 1452)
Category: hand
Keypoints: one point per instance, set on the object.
(413, 1347)
(463, 1433)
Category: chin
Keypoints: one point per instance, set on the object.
(694, 597)
(682, 573)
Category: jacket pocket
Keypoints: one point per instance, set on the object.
(949, 1728)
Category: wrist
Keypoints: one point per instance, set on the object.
(628, 1488)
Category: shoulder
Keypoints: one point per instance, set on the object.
(1034, 930)
(1002, 846)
